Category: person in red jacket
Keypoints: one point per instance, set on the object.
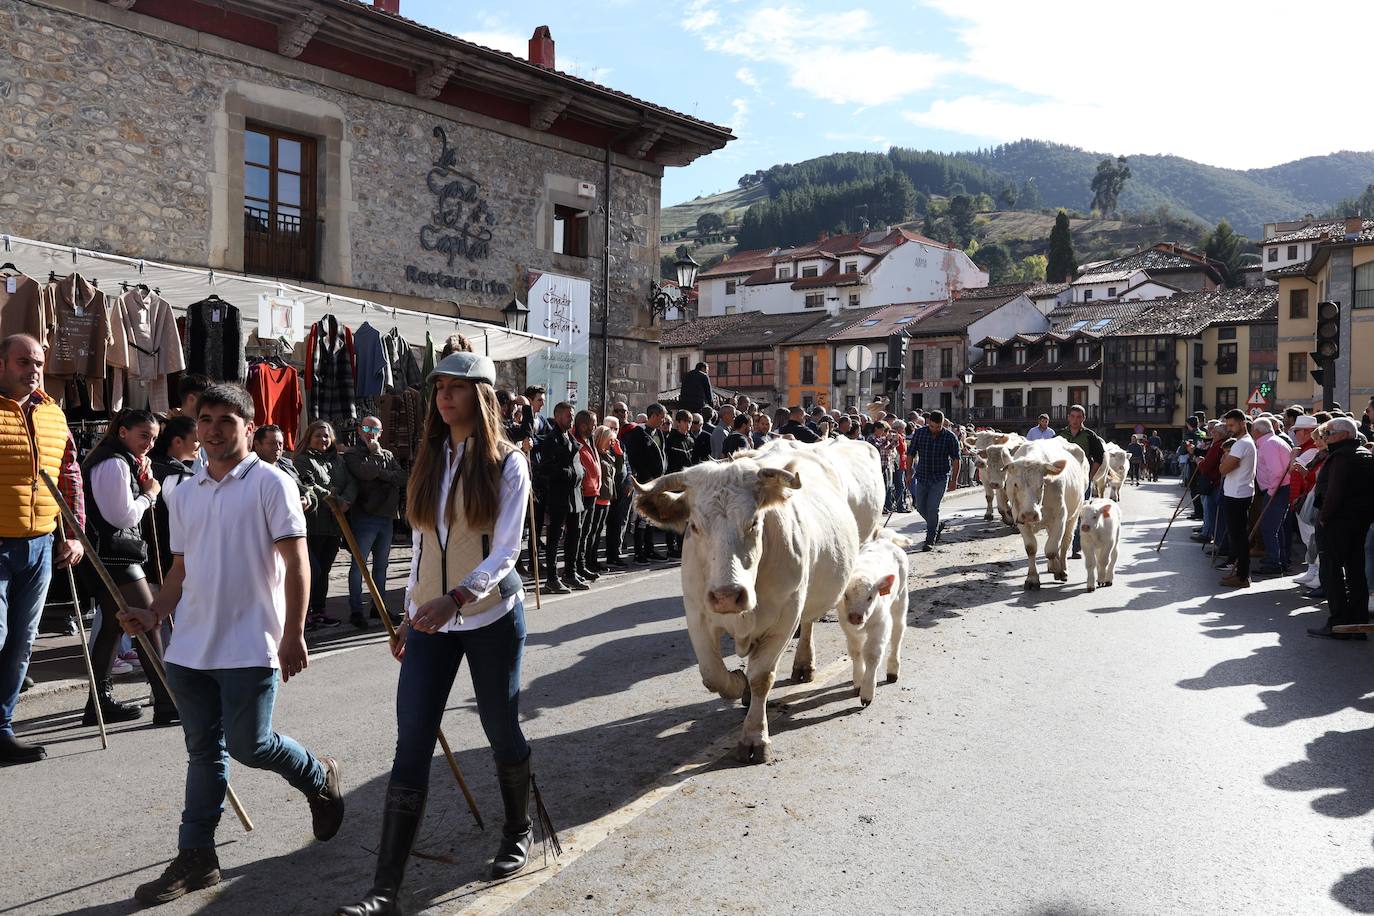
(1209, 482)
(584, 424)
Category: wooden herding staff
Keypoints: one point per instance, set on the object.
(123, 607)
(380, 604)
(86, 655)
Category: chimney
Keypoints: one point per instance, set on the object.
(1354, 225)
(388, 6)
(541, 48)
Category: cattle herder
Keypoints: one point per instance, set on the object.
(466, 502)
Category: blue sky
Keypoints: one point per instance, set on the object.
(1228, 82)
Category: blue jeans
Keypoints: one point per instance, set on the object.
(431, 663)
(1210, 504)
(25, 568)
(928, 494)
(1272, 531)
(373, 534)
(231, 708)
(896, 491)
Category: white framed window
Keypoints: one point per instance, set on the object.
(1019, 355)
(785, 272)
(815, 300)
(730, 287)
(851, 267)
(853, 300)
(810, 271)
(1087, 294)
(1111, 292)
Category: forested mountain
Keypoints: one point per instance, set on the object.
(837, 191)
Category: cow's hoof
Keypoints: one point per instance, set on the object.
(1092, 588)
(892, 678)
(1032, 585)
(988, 517)
(804, 675)
(753, 751)
(864, 704)
(1106, 585)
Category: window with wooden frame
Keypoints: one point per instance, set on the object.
(1297, 303)
(281, 227)
(570, 231)
(1297, 367)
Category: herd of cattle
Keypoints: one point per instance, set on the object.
(781, 536)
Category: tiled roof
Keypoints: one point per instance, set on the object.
(1315, 232)
(1045, 290)
(832, 277)
(1106, 276)
(1292, 270)
(1165, 257)
(1002, 291)
(831, 326)
(741, 262)
(370, 9)
(696, 332)
(763, 330)
(1097, 317)
(1191, 313)
(889, 320)
(953, 317)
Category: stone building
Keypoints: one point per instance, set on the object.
(345, 147)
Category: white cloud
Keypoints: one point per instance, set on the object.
(739, 115)
(835, 56)
(1196, 80)
(747, 77)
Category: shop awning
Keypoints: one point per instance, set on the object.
(182, 286)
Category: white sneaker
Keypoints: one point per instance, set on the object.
(1308, 577)
(120, 666)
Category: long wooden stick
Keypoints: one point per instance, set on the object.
(1177, 509)
(534, 551)
(123, 607)
(1259, 521)
(86, 656)
(380, 604)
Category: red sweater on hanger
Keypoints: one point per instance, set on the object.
(276, 396)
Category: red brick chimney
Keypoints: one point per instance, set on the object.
(1353, 225)
(541, 48)
(388, 6)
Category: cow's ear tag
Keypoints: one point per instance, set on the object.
(886, 587)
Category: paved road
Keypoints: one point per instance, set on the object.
(1155, 747)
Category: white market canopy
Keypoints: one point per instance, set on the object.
(182, 286)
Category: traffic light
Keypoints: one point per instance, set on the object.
(895, 368)
(1328, 332)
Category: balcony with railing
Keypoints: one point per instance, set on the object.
(281, 244)
(1027, 414)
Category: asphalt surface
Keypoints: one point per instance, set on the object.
(1155, 747)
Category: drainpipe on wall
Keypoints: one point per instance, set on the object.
(606, 291)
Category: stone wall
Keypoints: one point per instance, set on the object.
(124, 134)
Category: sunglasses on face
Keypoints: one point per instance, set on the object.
(372, 429)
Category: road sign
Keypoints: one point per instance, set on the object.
(1254, 413)
(1139, 430)
(859, 358)
(1256, 399)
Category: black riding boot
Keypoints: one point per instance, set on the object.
(639, 545)
(405, 808)
(518, 830)
(550, 568)
(110, 709)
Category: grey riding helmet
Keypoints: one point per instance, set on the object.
(465, 365)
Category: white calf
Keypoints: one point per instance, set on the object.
(1100, 521)
(873, 611)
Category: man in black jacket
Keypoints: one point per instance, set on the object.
(559, 470)
(701, 445)
(677, 448)
(648, 461)
(796, 427)
(1345, 506)
(696, 388)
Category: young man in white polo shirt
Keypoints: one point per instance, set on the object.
(1237, 490)
(238, 584)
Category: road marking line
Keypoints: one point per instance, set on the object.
(587, 837)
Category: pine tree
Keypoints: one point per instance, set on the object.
(1062, 265)
(1224, 245)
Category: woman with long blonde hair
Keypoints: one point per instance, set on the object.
(466, 505)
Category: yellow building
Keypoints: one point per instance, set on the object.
(1341, 270)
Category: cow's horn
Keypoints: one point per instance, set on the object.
(668, 483)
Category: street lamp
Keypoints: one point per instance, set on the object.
(516, 315)
(662, 299)
(968, 397)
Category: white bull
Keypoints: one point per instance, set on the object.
(1045, 485)
(1005, 444)
(770, 544)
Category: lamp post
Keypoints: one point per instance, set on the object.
(968, 394)
(516, 315)
(661, 297)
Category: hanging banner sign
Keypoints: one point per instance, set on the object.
(560, 307)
